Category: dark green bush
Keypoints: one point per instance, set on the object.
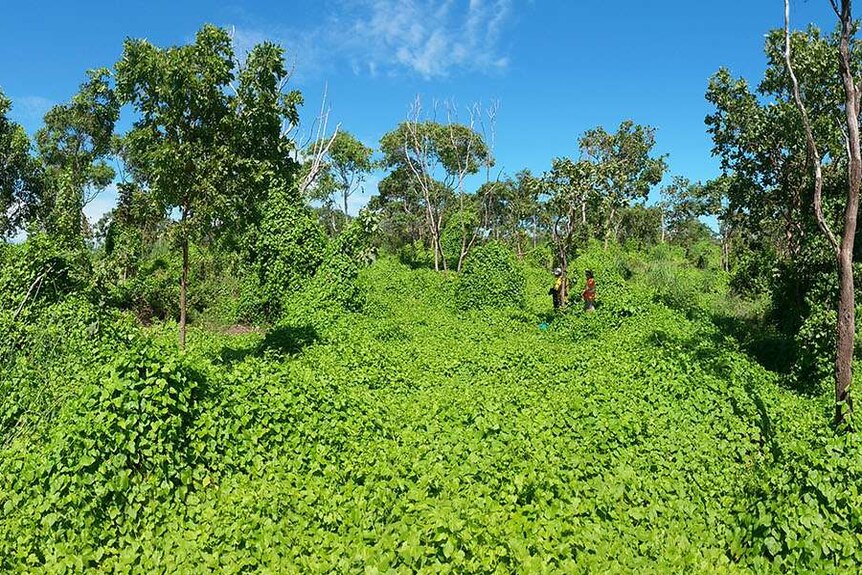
(291, 246)
(39, 272)
(416, 255)
(704, 254)
(492, 277)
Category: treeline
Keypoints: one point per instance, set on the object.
(212, 167)
(215, 187)
(210, 170)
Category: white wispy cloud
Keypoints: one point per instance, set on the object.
(430, 38)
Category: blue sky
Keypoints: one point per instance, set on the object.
(556, 68)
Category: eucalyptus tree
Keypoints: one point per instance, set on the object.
(343, 164)
(349, 162)
(75, 146)
(495, 208)
(402, 216)
(841, 243)
(431, 160)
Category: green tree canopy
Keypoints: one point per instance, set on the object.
(17, 170)
(74, 145)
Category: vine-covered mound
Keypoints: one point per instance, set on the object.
(414, 437)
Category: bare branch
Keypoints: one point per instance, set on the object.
(37, 283)
(320, 146)
(814, 155)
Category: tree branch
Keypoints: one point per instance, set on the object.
(809, 136)
(36, 282)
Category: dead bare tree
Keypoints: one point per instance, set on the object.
(463, 167)
(843, 248)
(314, 149)
(423, 163)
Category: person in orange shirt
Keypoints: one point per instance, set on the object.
(589, 294)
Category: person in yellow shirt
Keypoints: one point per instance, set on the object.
(558, 291)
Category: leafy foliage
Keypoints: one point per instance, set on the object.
(17, 172)
(492, 277)
(290, 247)
(41, 271)
(407, 436)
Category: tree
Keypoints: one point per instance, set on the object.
(262, 149)
(569, 185)
(180, 145)
(349, 161)
(74, 146)
(842, 247)
(758, 143)
(17, 171)
(625, 171)
(525, 207)
(641, 226)
(131, 229)
(682, 202)
(495, 209)
(431, 160)
(716, 200)
(402, 217)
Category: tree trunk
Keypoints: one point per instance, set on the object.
(345, 194)
(846, 337)
(846, 296)
(662, 227)
(184, 282)
(846, 328)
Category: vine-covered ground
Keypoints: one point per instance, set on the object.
(411, 437)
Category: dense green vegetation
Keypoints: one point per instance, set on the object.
(414, 436)
(231, 372)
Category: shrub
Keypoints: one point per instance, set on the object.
(452, 235)
(492, 277)
(815, 349)
(416, 255)
(39, 272)
(290, 247)
(333, 288)
(122, 443)
(704, 254)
